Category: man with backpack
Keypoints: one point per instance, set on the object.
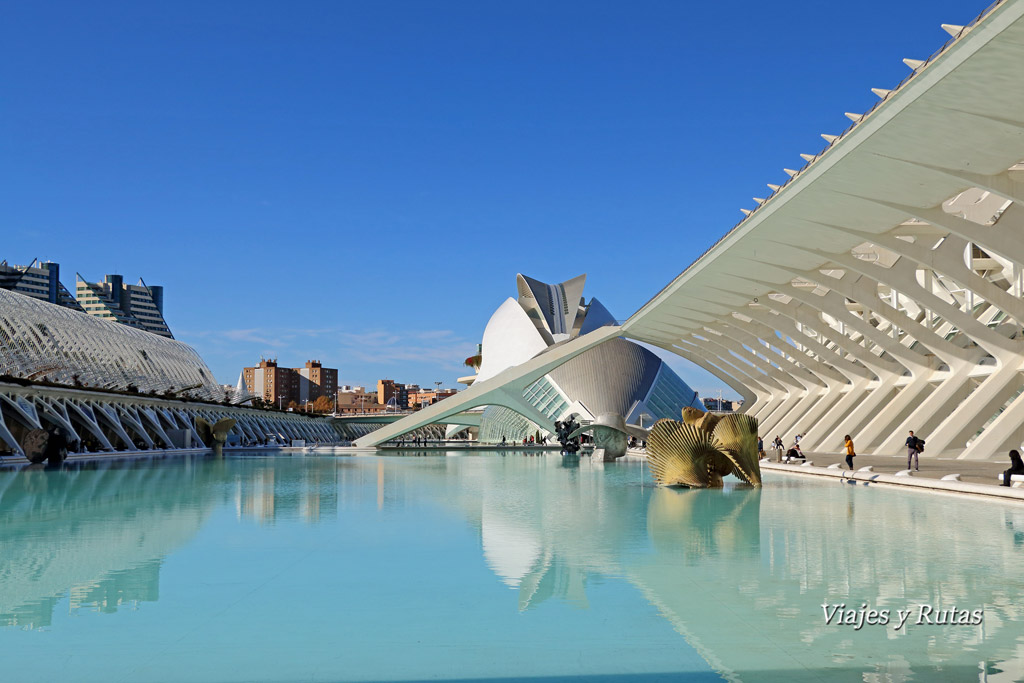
(915, 446)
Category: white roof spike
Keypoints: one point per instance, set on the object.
(881, 92)
(807, 157)
(854, 117)
(829, 138)
(914, 64)
(759, 200)
(790, 172)
(774, 188)
(746, 212)
(952, 29)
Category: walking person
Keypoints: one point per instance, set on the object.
(914, 448)
(849, 452)
(760, 447)
(1016, 467)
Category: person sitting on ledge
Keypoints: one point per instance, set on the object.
(1016, 467)
(794, 453)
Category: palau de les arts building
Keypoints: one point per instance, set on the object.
(618, 376)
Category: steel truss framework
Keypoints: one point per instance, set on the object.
(100, 422)
(880, 289)
(39, 340)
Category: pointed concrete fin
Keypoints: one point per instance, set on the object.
(829, 138)
(555, 305)
(854, 117)
(746, 212)
(759, 200)
(808, 157)
(914, 64)
(881, 92)
(952, 29)
(790, 172)
(773, 187)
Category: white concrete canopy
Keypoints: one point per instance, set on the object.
(879, 290)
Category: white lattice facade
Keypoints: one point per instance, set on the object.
(878, 290)
(42, 341)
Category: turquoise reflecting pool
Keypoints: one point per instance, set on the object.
(490, 566)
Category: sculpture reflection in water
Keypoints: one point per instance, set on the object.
(702, 449)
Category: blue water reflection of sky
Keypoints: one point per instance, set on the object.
(365, 592)
(489, 567)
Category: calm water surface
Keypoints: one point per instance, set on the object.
(490, 567)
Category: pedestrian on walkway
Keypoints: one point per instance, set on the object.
(1016, 467)
(760, 446)
(849, 452)
(915, 447)
(779, 447)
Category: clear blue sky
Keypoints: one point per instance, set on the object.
(360, 182)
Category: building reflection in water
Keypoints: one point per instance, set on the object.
(97, 533)
(741, 573)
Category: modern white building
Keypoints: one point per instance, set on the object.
(618, 376)
(878, 288)
(42, 341)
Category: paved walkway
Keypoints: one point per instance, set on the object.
(973, 471)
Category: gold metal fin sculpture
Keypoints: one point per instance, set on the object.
(738, 436)
(692, 415)
(700, 453)
(682, 455)
(205, 431)
(708, 422)
(214, 436)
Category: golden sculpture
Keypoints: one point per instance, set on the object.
(703, 448)
(214, 436)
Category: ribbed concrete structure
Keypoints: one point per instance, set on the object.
(879, 289)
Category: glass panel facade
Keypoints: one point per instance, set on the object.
(669, 395)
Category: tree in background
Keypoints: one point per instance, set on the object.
(323, 405)
(292, 405)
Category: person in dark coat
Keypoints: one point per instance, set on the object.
(1016, 467)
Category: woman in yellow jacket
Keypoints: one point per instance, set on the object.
(849, 452)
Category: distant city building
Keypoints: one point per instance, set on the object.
(354, 399)
(719, 405)
(426, 397)
(316, 381)
(139, 306)
(388, 389)
(280, 386)
(37, 280)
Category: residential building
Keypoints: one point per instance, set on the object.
(275, 385)
(139, 306)
(280, 386)
(37, 280)
(356, 400)
(388, 389)
(315, 381)
(426, 397)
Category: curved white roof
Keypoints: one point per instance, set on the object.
(510, 339)
(39, 340)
